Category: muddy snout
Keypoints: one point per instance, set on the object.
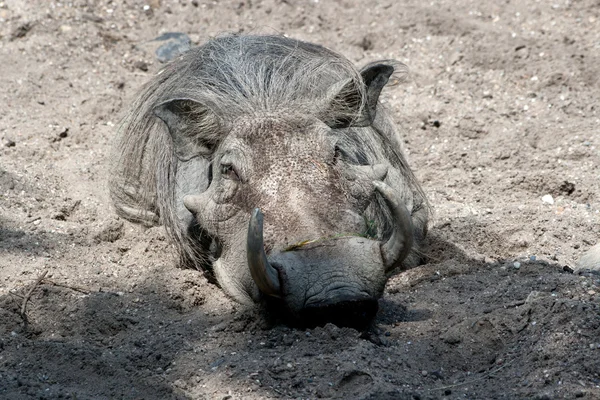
(350, 312)
(335, 280)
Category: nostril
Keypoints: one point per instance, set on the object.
(353, 313)
(337, 153)
(280, 275)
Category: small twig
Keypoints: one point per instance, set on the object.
(429, 257)
(515, 304)
(75, 288)
(487, 374)
(28, 295)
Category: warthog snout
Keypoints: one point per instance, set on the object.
(354, 312)
(335, 279)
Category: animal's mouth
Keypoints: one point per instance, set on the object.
(337, 278)
(392, 252)
(352, 312)
(335, 293)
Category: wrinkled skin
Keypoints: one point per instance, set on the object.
(292, 171)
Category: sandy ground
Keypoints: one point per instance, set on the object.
(501, 110)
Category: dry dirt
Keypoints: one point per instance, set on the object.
(501, 109)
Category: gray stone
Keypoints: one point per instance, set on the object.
(176, 43)
(590, 261)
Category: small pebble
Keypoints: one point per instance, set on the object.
(141, 65)
(176, 43)
(517, 265)
(590, 260)
(548, 199)
(566, 268)
(21, 30)
(532, 258)
(424, 373)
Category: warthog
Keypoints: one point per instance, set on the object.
(275, 170)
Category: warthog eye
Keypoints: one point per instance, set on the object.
(352, 156)
(228, 171)
(337, 153)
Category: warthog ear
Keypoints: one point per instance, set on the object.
(193, 127)
(346, 98)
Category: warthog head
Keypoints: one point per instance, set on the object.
(275, 169)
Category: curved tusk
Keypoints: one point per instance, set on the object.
(264, 275)
(193, 202)
(399, 245)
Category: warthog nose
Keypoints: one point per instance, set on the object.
(351, 312)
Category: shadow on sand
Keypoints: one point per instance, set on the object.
(440, 324)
